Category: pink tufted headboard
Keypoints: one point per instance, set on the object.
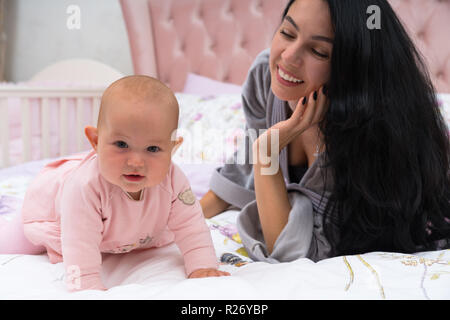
(220, 38)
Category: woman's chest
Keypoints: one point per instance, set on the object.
(302, 150)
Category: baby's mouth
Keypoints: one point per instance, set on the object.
(133, 177)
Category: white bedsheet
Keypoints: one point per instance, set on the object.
(159, 273)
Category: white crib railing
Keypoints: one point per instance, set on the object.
(44, 94)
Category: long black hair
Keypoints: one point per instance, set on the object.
(387, 144)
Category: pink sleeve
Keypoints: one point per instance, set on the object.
(81, 233)
(188, 224)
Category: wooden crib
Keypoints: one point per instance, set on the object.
(43, 95)
(61, 100)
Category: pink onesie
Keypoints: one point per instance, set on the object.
(76, 214)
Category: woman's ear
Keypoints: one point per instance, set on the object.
(92, 135)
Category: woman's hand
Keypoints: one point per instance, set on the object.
(308, 112)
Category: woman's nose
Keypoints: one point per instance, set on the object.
(292, 55)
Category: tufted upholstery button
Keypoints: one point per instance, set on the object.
(440, 75)
(230, 10)
(181, 46)
(258, 5)
(421, 35)
(200, 14)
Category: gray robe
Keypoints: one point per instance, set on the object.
(303, 234)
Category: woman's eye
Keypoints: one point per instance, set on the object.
(121, 144)
(153, 149)
(287, 35)
(319, 54)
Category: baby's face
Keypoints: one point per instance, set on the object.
(134, 144)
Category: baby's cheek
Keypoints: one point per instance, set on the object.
(110, 173)
(111, 169)
(158, 168)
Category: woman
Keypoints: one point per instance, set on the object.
(364, 167)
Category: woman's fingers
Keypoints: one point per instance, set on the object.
(299, 110)
(310, 110)
(321, 106)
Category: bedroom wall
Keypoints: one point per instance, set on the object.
(40, 33)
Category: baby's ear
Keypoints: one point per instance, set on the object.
(92, 135)
(176, 144)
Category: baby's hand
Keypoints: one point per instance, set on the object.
(207, 272)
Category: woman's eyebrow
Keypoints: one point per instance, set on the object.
(316, 37)
(288, 18)
(322, 38)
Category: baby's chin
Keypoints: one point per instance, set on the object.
(130, 183)
(124, 184)
(136, 186)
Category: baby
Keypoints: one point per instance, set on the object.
(125, 194)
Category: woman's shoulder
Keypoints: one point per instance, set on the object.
(259, 71)
(262, 59)
(256, 88)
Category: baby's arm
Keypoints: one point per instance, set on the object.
(192, 235)
(81, 235)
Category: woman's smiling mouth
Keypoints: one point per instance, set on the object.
(287, 79)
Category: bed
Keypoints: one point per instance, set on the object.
(206, 78)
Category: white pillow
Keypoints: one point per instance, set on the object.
(196, 84)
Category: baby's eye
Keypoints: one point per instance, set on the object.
(153, 149)
(121, 144)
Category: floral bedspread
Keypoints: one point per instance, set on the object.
(210, 126)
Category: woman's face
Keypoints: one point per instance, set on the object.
(301, 50)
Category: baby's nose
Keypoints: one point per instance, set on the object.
(135, 160)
